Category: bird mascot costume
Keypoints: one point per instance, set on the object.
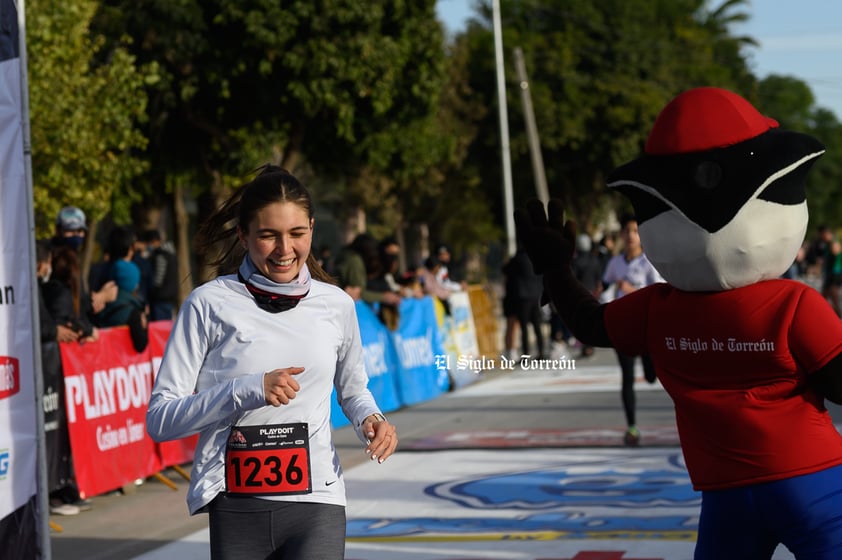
(748, 358)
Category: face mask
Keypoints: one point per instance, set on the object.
(46, 276)
(74, 242)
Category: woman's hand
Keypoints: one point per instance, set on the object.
(382, 437)
(66, 334)
(280, 386)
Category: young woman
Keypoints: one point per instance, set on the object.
(250, 365)
(628, 272)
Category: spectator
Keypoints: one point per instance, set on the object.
(64, 317)
(325, 260)
(588, 268)
(126, 275)
(390, 256)
(384, 281)
(818, 250)
(163, 288)
(140, 257)
(832, 276)
(356, 264)
(444, 256)
(65, 300)
(428, 276)
(527, 287)
(510, 311)
(71, 231)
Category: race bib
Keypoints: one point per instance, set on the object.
(268, 460)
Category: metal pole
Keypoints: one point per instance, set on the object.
(531, 130)
(504, 131)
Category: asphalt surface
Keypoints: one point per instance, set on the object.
(571, 409)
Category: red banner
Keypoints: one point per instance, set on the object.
(178, 451)
(107, 389)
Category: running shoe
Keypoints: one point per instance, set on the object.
(64, 509)
(632, 437)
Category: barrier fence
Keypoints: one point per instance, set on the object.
(107, 385)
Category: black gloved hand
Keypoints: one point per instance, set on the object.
(548, 240)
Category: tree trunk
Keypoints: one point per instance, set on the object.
(182, 241)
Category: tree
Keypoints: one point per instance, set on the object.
(599, 74)
(84, 115)
(790, 101)
(330, 92)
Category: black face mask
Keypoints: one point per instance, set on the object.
(267, 301)
(75, 242)
(389, 262)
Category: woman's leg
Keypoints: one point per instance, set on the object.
(627, 387)
(247, 527)
(310, 531)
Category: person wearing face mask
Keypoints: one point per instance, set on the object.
(71, 231)
(251, 364)
(57, 325)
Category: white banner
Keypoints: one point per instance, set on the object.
(18, 422)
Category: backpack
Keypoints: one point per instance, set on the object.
(138, 324)
(139, 329)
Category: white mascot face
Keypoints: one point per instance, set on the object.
(759, 244)
(719, 208)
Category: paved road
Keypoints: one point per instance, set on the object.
(477, 476)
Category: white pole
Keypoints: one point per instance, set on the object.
(531, 130)
(504, 131)
(43, 484)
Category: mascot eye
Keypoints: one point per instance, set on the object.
(708, 175)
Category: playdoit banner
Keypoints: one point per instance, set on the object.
(107, 388)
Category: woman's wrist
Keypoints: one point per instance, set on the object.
(376, 417)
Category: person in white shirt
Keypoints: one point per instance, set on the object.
(625, 273)
(251, 363)
(443, 257)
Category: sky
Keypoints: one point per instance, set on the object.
(800, 38)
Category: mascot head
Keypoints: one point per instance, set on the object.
(720, 192)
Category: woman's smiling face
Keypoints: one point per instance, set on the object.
(278, 240)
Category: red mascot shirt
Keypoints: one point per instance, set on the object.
(736, 364)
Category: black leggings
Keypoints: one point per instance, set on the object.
(529, 313)
(253, 528)
(627, 390)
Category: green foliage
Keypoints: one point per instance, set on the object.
(599, 73)
(83, 115)
(366, 100)
(345, 88)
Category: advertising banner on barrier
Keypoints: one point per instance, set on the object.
(178, 451)
(107, 388)
(460, 341)
(381, 362)
(418, 341)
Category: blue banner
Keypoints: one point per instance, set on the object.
(381, 363)
(418, 341)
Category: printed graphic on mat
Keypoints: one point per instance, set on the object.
(594, 495)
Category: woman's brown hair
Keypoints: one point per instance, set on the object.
(217, 238)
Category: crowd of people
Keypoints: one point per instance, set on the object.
(369, 270)
(135, 280)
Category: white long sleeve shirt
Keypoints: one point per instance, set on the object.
(211, 378)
